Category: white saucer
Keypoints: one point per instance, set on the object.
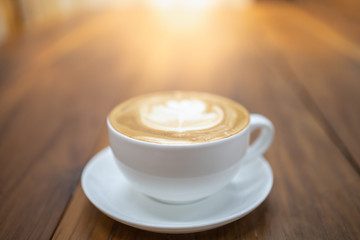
(109, 191)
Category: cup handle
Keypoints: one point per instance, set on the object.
(263, 141)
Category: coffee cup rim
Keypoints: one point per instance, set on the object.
(176, 146)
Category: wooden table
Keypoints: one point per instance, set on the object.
(298, 64)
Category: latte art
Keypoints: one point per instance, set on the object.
(179, 117)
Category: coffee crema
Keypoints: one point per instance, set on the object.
(179, 117)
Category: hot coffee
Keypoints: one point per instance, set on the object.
(179, 117)
(165, 143)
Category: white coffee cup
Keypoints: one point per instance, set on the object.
(188, 172)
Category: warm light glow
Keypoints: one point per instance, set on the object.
(195, 4)
(180, 16)
(182, 4)
(175, 41)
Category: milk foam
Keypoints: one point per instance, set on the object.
(179, 117)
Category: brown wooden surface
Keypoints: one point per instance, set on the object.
(296, 63)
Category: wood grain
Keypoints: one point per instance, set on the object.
(333, 97)
(58, 84)
(81, 219)
(51, 116)
(342, 16)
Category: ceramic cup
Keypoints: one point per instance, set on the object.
(186, 173)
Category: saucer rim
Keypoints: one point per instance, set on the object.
(182, 227)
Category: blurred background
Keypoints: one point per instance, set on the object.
(17, 15)
(110, 50)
